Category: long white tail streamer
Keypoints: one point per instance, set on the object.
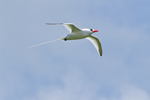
(44, 43)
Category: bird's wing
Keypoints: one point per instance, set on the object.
(95, 41)
(71, 27)
(68, 26)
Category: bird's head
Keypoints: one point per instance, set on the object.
(92, 30)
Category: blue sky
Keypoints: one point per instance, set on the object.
(73, 70)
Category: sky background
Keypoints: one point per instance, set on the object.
(73, 70)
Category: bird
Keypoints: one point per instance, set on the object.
(77, 33)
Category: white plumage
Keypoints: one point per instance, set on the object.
(76, 33)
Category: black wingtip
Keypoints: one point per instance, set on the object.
(101, 54)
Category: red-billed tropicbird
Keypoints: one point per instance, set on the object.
(76, 33)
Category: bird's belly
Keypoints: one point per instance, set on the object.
(75, 36)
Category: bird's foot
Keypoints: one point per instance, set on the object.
(65, 39)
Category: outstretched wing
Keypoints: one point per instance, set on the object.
(95, 41)
(69, 26)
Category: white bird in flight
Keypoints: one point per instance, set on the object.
(76, 33)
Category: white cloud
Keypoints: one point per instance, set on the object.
(75, 87)
(129, 92)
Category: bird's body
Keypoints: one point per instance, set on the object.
(76, 33)
(83, 33)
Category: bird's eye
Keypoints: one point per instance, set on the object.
(91, 29)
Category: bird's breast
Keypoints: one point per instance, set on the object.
(77, 35)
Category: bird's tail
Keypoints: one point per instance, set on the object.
(44, 43)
